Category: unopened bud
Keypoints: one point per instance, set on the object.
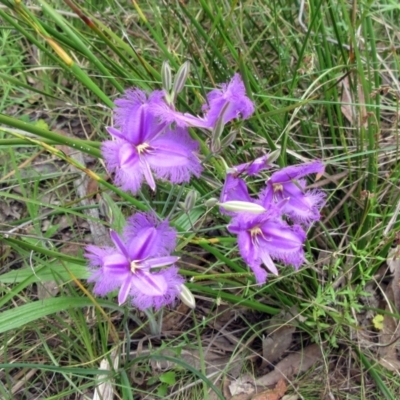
(187, 296)
(181, 77)
(219, 125)
(215, 146)
(243, 206)
(228, 139)
(211, 202)
(273, 156)
(166, 76)
(191, 200)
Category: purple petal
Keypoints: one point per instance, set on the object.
(305, 207)
(233, 93)
(253, 167)
(119, 244)
(141, 247)
(251, 255)
(125, 178)
(173, 158)
(110, 151)
(246, 247)
(108, 269)
(301, 206)
(283, 242)
(146, 299)
(267, 261)
(115, 264)
(150, 237)
(133, 116)
(234, 189)
(168, 115)
(246, 221)
(148, 176)
(128, 157)
(297, 171)
(259, 272)
(160, 262)
(95, 255)
(149, 284)
(116, 133)
(103, 285)
(124, 291)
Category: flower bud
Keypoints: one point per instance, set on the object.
(211, 202)
(215, 146)
(219, 125)
(166, 76)
(191, 200)
(228, 139)
(242, 206)
(181, 77)
(273, 156)
(187, 296)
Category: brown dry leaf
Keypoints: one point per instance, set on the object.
(349, 107)
(291, 365)
(275, 345)
(47, 289)
(390, 329)
(390, 364)
(272, 394)
(387, 340)
(242, 386)
(280, 338)
(172, 319)
(393, 261)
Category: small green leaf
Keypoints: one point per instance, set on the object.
(169, 378)
(378, 322)
(162, 390)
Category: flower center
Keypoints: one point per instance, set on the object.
(277, 187)
(255, 231)
(142, 147)
(135, 266)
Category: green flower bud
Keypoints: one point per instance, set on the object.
(240, 206)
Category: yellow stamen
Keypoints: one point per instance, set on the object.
(255, 231)
(134, 266)
(142, 148)
(277, 187)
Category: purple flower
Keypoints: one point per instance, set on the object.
(231, 95)
(253, 167)
(264, 237)
(145, 147)
(133, 264)
(235, 187)
(168, 115)
(302, 206)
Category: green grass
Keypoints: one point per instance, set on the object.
(54, 103)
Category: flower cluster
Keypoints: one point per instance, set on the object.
(262, 225)
(133, 264)
(149, 141)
